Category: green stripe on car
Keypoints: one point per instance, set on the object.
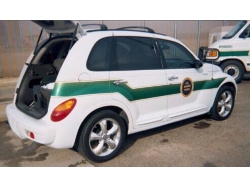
(234, 53)
(77, 88)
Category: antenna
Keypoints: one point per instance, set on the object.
(212, 62)
(204, 55)
(212, 69)
(213, 56)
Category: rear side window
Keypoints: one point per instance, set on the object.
(99, 56)
(123, 53)
(133, 53)
(175, 56)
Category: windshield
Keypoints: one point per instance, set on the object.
(235, 30)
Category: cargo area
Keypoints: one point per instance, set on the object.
(33, 94)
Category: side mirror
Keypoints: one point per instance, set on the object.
(198, 64)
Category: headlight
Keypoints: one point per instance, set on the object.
(212, 54)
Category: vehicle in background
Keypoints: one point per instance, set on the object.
(233, 51)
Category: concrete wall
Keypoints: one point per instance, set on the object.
(18, 38)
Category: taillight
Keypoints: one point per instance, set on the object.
(30, 134)
(63, 110)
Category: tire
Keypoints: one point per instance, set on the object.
(223, 103)
(102, 136)
(233, 68)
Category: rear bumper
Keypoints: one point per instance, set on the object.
(22, 125)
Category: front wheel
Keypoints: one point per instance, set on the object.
(102, 136)
(223, 104)
(233, 68)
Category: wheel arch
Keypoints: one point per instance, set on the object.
(229, 84)
(115, 109)
(233, 59)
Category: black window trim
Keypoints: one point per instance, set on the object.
(110, 55)
(162, 55)
(158, 59)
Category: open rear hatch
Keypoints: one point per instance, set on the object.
(33, 94)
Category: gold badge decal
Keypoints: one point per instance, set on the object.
(187, 87)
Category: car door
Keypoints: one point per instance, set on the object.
(137, 80)
(188, 95)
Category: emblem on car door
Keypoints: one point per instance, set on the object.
(187, 87)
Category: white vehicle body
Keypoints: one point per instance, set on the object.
(234, 51)
(144, 99)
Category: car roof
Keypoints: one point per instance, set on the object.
(69, 27)
(135, 33)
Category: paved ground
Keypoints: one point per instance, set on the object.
(15, 152)
(197, 142)
(7, 88)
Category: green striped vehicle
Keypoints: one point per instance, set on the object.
(232, 51)
(88, 89)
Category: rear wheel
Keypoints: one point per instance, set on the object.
(223, 104)
(233, 68)
(102, 136)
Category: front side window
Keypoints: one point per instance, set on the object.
(133, 53)
(246, 32)
(175, 56)
(235, 30)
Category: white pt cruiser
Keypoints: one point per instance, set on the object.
(89, 88)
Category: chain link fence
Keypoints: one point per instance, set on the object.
(18, 38)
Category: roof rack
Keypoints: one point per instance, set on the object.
(102, 26)
(137, 27)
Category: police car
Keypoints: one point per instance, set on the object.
(89, 88)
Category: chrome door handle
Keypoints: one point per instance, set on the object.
(119, 82)
(172, 78)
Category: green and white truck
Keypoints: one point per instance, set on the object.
(232, 50)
